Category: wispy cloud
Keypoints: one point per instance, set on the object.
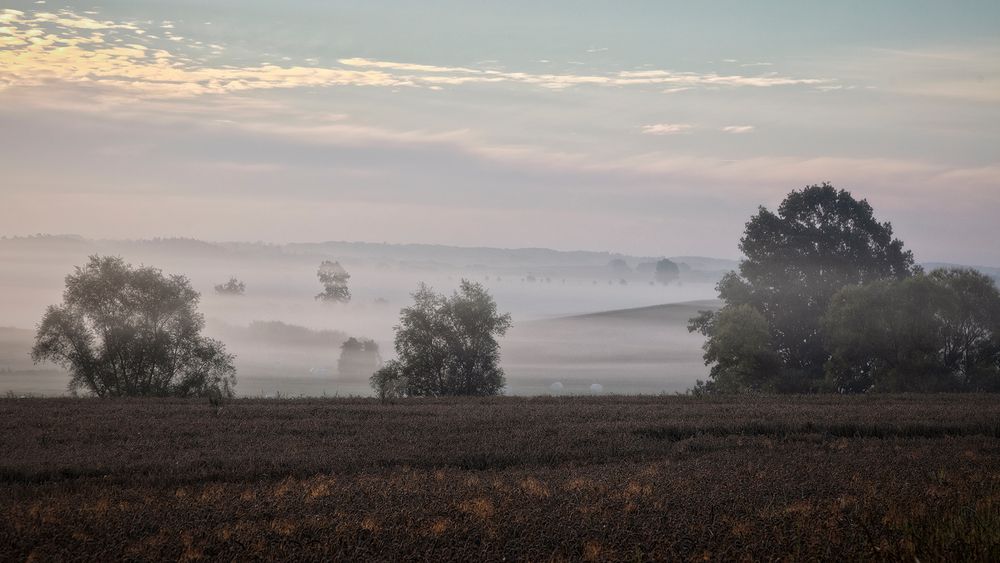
(42, 47)
(666, 128)
(737, 129)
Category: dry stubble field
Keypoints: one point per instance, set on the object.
(603, 478)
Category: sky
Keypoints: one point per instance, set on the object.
(650, 128)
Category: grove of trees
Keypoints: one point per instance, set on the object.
(231, 287)
(827, 300)
(126, 331)
(446, 345)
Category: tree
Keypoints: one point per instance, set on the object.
(231, 287)
(886, 336)
(446, 346)
(819, 241)
(334, 278)
(358, 358)
(741, 351)
(939, 332)
(666, 271)
(971, 331)
(124, 331)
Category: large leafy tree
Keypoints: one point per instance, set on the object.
(446, 346)
(939, 332)
(125, 331)
(820, 240)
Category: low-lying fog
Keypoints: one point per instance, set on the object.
(287, 342)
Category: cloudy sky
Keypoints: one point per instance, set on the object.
(642, 127)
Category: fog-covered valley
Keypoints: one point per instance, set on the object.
(288, 343)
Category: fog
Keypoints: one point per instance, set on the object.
(287, 343)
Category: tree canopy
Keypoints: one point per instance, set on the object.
(666, 271)
(446, 346)
(334, 278)
(937, 332)
(359, 357)
(125, 331)
(820, 240)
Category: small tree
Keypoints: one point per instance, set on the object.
(334, 278)
(740, 353)
(446, 346)
(231, 287)
(358, 358)
(667, 271)
(124, 331)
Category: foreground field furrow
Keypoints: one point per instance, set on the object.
(525, 479)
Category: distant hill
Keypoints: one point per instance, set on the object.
(539, 261)
(670, 313)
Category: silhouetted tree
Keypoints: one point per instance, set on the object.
(446, 346)
(334, 278)
(358, 358)
(231, 287)
(819, 241)
(124, 331)
(666, 271)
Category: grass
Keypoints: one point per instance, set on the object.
(547, 478)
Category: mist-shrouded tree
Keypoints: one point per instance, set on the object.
(231, 287)
(820, 240)
(126, 331)
(359, 357)
(334, 278)
(741, 354)
(936, 332)
(446, 346)
(667, 271)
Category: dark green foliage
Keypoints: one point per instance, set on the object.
(740, 352)
(819, 241)
(334, 278)
(937, 332)
(124, 331)
(446, 346)
(359, 358)
(666, 271)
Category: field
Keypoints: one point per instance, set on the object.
(553, 478)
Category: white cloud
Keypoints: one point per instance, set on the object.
(737, 129)
(666, 128)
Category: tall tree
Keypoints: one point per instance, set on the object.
(334, 278)
(124, 331)
(820, 240)
(446, 345)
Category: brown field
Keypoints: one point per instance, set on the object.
(611, 478)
